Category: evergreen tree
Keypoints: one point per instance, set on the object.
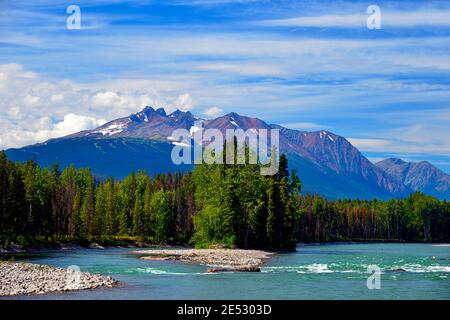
(161, 215)
(110, 228)
(230, 205)
(88, 207)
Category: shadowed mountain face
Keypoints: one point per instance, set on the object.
(419, 176)
(327, 163)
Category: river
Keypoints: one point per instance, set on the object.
(331, 271)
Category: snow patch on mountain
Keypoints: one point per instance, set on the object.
(233, 122)
(111, 129)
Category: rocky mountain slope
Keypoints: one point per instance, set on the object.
(327, 163)
(419, 176)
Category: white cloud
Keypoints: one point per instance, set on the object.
(245, 69)
(31, 101)
(35, 109)
(43, 129)
(213, 112)
(117, 100)
(413, 139)
(354, 78)
(319, 21)
(57, 98)
(73, 123)
(183, 102)
(369, 144)
(106, 99)
(388, 19)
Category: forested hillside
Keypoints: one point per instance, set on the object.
(231, 205)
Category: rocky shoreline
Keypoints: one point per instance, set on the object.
(218, 260)
(18, 278)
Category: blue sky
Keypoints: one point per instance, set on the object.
(308, 65)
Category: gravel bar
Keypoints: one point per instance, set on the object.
(219, 260)
(17, 278)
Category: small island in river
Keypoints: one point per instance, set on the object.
(218, 260)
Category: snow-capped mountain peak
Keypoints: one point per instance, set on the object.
(327, 163)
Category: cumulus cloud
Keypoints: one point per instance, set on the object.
(213, 112)
(44, 129)
(183, 102)
(73, 123)
(35, 109)
(117, 100)
(131, 101)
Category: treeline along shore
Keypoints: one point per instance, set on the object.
(229, 205)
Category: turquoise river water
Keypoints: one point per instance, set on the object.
(332, 271)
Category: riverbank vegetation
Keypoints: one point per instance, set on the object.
(215, 205)
(416, 218)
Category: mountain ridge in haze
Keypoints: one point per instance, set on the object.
(419, 176)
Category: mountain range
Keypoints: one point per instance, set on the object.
(421, 176)
(327, 163)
